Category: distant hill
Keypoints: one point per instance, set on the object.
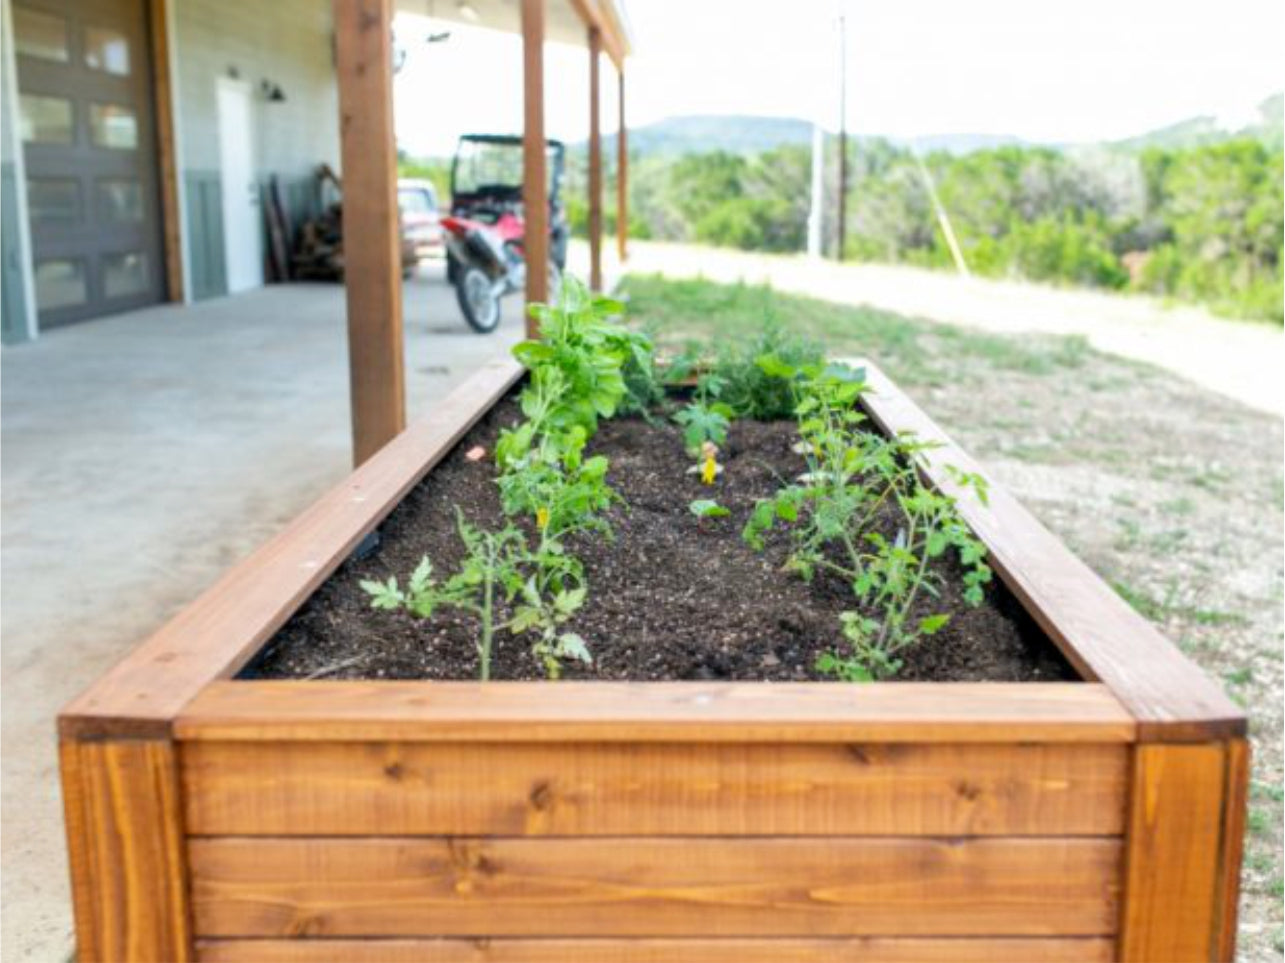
(1195, 131)
(733, 133)
(742, 134)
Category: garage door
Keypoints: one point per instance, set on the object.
(88, 132)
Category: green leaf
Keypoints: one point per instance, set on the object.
(932, 624)
(707, 508)
(572, 646)
(774, 367)
(531, 353)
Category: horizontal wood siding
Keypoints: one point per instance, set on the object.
(384, 788)
(875, 949)
(654, 887)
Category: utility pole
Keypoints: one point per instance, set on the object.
(843, 133)
(818, 191)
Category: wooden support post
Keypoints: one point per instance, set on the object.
(167, 168)
(127, 849)
(1183, 852)
(535, 177)
(622, 176)
(372, 242)
(595, 164)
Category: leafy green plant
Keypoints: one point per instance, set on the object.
(749, 390)
(546, 614)
(705, 419)
(854, 475)
(490, 569)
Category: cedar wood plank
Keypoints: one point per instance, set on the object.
(1175, 859)
(403, 789)
(126, 850)
(876, 949)
(1169, 695)
(656, 711)
(641, 886)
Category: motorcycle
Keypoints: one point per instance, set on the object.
(485, 254)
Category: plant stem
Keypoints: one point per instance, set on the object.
(488, 600)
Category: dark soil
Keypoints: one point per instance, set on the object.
(670, 597)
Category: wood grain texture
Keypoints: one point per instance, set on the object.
(217, 633)
(355, 789)
(655, 712)
(1171, 908)
(535, 173)
(1106, 640)
(654, 887)
(166, 164)
(126, 850)
(372, 252)
(874, 949)
(1235, 804)
(622, 169)
(595, 162)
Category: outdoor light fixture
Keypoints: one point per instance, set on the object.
(467, 11)
(272, 93)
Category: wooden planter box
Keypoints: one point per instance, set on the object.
(316, 821)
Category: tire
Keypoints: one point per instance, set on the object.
(477, 299)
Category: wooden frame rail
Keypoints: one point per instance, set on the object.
(148, 792)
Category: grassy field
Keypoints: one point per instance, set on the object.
(1171, 493)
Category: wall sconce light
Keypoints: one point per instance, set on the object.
(467, 11)
(272, 93)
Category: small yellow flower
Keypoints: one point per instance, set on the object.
(709, 470)
(541, 518)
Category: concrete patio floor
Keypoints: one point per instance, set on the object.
(142, 455)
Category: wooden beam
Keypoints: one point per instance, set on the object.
(535, 177)
(1180, 871)
(125, 844)
(595, 164)
(622, 175)
(372, 243)
(163, 101)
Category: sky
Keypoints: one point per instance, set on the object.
(1068, 72)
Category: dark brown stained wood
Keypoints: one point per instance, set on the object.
(1235, 803)
(655, 712)
(654, 887)
(372, 234)
(126, 851)
(214, 635)
(354, 789)
(1106, 640)
(876, 949)
(595, 163)
(1174, 875)
(535, 174)
(166, 167)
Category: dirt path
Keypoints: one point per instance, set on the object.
(1238, 360)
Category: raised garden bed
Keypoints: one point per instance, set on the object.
(221, 818)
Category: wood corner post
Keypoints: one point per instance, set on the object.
(535, 174)
(1181, 877)
(595, 163)
(126, 849)
(372, 237)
